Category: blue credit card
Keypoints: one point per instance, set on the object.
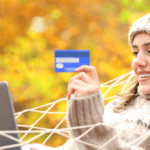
(69, 60)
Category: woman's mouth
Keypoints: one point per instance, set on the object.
(144, 77)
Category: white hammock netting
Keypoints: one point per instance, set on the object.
(31, 133)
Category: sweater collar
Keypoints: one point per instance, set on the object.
(146, 96)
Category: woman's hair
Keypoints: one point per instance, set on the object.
(128, 96)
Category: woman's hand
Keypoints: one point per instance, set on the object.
(83, 84)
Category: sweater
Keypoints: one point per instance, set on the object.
(112, 131)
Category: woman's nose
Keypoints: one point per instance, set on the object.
(140, 60)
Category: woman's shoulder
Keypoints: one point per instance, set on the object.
(110, 116)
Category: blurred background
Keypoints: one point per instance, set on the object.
(30, 31)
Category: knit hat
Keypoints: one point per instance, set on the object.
(141, 25)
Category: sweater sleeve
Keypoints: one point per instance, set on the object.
(88, 111)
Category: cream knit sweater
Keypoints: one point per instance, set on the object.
(89, 110)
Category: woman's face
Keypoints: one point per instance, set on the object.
(141, 61)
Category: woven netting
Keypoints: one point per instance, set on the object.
(59, 134)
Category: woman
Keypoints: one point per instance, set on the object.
(87, 108)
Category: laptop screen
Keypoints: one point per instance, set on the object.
(7, 118)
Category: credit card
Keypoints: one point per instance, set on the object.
(69, 60)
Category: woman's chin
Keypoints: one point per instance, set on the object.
(144, 90)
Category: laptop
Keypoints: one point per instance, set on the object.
(7, 119)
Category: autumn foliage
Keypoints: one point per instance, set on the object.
(31, 31)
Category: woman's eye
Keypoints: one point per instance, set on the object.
(148, 51)
(135, 53)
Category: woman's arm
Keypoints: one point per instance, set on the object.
(88, 109)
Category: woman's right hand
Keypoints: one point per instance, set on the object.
(83, 84)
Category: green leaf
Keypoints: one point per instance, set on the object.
(126, 2)
(139, 4)
(124, 16)
(56, 13)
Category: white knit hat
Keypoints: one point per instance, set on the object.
(141, 25)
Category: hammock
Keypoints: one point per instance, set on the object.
(31, 133)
